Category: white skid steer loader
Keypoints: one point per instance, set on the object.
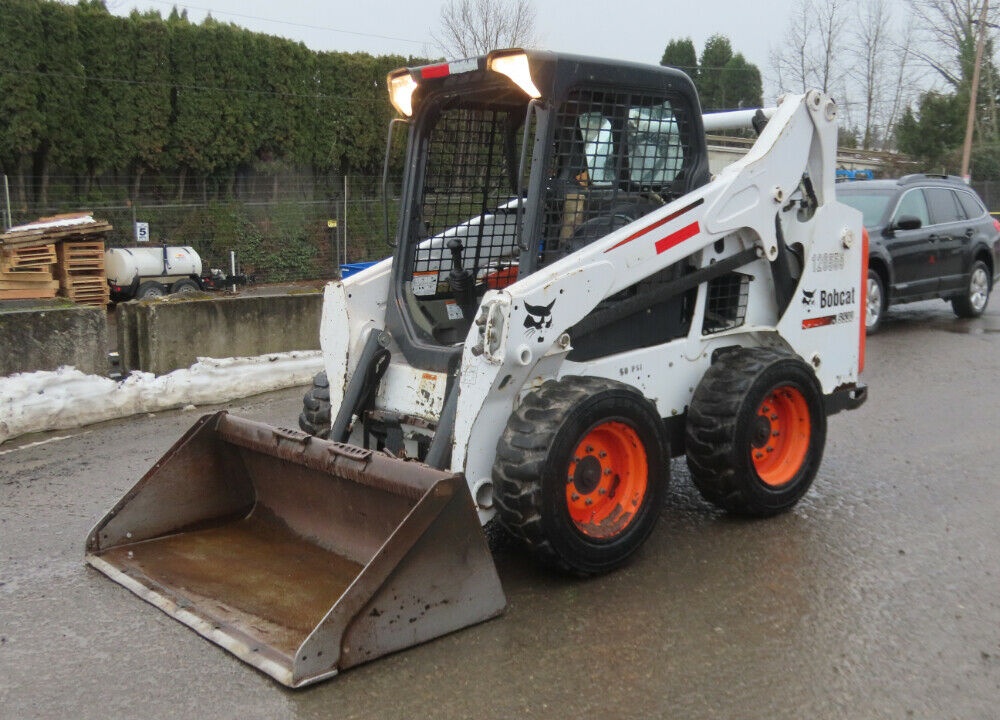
(572, 301)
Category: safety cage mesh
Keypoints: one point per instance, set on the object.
(469, 193)
(726, 304)
(616, 157)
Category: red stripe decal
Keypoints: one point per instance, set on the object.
(677, 238)
(658, 223)
(810, 323)
(435, 71)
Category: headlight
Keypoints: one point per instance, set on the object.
(514, 64)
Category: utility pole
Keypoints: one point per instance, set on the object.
(970, 119)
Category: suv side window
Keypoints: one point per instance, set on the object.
(914, 205)
(973, 208)
(943, 206)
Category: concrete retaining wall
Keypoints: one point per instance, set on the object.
(163, 335)
(44, 338)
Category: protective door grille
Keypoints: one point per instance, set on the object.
(616, 156)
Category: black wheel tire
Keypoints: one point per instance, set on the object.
(536, 497)
(875, 303)
(149, 289)
(736, 461)
(185, 285)
(972, 302)
(315, 417)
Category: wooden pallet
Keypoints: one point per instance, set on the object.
(28, 256)
(33, 235)
(42, 274)
(26, 273)
(80, 257)
(86, 289)
(33, 294)
(81, 272)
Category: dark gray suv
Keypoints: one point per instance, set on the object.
(930, 237)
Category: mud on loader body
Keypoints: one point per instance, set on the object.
(572, 302)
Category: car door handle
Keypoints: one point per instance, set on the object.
(933, 238)
(969, 232)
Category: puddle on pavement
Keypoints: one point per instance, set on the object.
(986, 324)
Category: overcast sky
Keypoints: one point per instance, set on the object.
(622, 29)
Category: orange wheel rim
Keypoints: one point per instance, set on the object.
(606, 480)
(781, 437)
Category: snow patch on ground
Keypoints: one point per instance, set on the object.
(66, 398)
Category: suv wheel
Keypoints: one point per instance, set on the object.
(972, 303)
(875, 303)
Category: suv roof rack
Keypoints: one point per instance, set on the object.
(922, 177)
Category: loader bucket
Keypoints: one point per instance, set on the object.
(301, 556)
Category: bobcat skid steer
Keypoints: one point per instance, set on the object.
(572, 301)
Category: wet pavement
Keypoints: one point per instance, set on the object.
(877, 597)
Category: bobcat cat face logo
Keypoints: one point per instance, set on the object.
(539, 317)
(808, 297)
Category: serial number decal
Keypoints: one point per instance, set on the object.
(827, 320)
(828, 262)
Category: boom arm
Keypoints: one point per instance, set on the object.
(525, 331)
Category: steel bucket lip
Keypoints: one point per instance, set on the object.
(268, 661)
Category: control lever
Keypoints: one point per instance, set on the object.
(461, 281)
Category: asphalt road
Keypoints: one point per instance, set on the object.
(877, 597)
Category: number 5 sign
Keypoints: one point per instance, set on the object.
(142, 232)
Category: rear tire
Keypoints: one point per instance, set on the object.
(756, 428)
(315, 417)
(185, 285)
(581, 473)
(972, 302)
(149, 289)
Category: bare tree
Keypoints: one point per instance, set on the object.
(831, 17)
(903, 89)
(882, 70)
(808, 55)
(949, 32)
(792, 60)
(474, 27)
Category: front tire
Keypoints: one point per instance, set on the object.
(972, 302)
(756, 428)
(581, 473)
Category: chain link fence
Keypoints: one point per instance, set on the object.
(989, 191)
(275, 228)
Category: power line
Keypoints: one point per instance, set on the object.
(309, 26)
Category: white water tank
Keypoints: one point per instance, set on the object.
(122, 265)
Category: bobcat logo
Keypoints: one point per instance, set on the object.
(809, 298)
(539, 317)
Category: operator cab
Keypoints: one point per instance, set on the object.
(517, 160)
